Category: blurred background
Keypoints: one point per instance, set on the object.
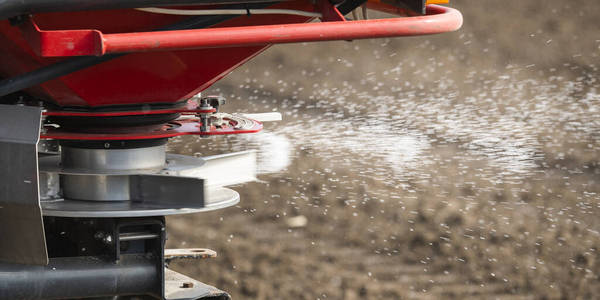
(456, 166)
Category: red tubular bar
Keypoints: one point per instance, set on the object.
(439, 19)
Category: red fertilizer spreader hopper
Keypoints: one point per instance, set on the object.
(90, 93)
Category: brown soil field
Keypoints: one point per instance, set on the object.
(455, 166)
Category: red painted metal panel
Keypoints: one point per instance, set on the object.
(62, 42)
(166, 75)
(91, 42)
(136, 78)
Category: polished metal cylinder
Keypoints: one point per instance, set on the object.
(106, 160)
(101, 171)
(95, 187)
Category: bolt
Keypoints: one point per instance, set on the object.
(205, 103)
(205, 123)
(216, 101)
(108, 239)
(99, 235)
(187, 285)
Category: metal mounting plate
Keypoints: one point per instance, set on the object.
(190, 253)
(181, 287)
(22, 237)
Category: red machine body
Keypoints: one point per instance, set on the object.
(167, 67)
(136, 78)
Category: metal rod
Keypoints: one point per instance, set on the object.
(439, 19)
(134, 236)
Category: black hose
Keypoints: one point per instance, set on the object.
(80, 277)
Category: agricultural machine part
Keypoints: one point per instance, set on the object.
(82, 210)
(230, 124)
(72, 277)
(183, 184)
(90, 82)
(14, 8)
(195, 253)
(57, 43)
(65, 67)
(21, 228)
(102, 257)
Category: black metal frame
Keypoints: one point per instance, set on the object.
(87, 258)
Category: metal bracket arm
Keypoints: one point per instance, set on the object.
(22, 238)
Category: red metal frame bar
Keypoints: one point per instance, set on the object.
(439, 19)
